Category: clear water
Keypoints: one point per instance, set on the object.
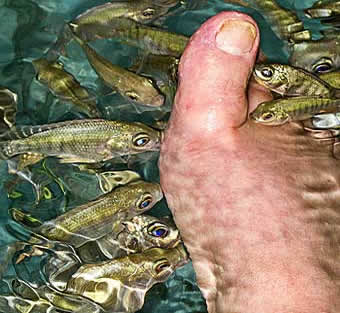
(28, 30)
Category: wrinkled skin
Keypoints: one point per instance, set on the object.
(257, 206)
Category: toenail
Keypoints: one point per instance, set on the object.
(236, 37)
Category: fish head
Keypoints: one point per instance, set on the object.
(158, 263)
(269, 113)
(143, 232)
(146, 92)
(272, 76)
(44, 70)
(317, 56)
(139, 196)
(144, 138)
(148, 10)
(162, 233)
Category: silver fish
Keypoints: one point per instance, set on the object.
(138, 89)
(151, 39)
(141, 11)
(289, 81)
(103, 18)
(65, 86)
(138, 234)
(82, 141)
(99, 217)
(120, 285)
(281, 111)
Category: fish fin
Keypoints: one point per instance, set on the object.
(27, 131)
(70, 159)
(24, 218)
(27, 159)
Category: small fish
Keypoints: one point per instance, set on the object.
(82, 141)
(290, 81)
(141, 11)
(65, 86)
(317, 56)
(120, 285)
(281, 111)
(138, 234)
(139, 89)
(323, 9)
(151, 39)
(8, 106)
(99, 217)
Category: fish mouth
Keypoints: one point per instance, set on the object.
(158, 101)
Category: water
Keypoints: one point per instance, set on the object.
(30, 29)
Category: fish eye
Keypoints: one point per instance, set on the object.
(267, 72)
(141, 140)
(47, 193)
(148, 12)
(132, 95)
(162, 266)
(145, 202)
(323, 67)
(267, 116)
(158, 230)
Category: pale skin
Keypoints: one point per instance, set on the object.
(258, 207)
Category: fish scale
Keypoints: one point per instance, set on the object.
(292, 109)
(88, 141)
(289, 81)
(98, 217)
(154, 40)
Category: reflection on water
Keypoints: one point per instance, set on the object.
(45, 190)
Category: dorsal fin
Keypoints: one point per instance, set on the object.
(21, 132)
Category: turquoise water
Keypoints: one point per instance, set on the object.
(28, 30)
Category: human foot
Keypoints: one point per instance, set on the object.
(257, 206)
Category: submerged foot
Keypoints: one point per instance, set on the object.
(257, 207)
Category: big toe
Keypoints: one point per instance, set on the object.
(214, 72)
